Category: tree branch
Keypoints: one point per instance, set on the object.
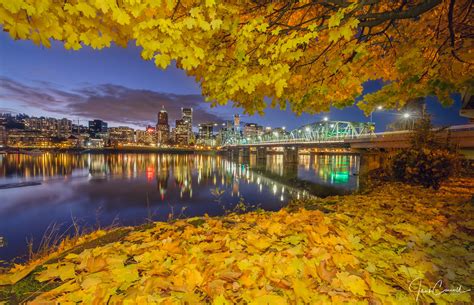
(379, 18)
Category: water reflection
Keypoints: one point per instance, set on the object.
(96, 189)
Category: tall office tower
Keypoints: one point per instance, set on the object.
(187, 117)
(162, 127)
(182, 132)
(236, 122)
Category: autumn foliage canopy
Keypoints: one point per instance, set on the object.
(313, 54)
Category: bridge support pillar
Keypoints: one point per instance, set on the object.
(290, 155)
(372, 161)
(261, 153)
(244, 154)
(234, 153)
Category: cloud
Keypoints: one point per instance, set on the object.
(109, 102)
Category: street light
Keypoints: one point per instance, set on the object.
(406, 116)
(325, 119)
(372, 112)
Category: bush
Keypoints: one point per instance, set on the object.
(427, 167)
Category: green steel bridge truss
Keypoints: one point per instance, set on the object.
(325, 131)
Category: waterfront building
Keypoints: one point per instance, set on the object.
(64, 128)
(3, 136)
(173, 135)
(73, 141)
(95, 143)
(49, 126)
(28, 138)
(162, 127)
(182, 133)
(206, 134)
(121, 135)
(145, 137)
(97, 127)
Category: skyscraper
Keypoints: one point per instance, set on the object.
(187, 115)
(162, 127)
(236, 122)
(182, 132)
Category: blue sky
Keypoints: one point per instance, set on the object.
(116, 85)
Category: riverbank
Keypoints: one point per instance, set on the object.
(105, 150)
(389, 246)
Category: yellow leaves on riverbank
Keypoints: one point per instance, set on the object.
(379, 248)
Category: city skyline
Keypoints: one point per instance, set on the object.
(54, 83)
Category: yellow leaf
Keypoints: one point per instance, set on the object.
(220, 300)
(301, 290)
(351, 283)
(162, 60)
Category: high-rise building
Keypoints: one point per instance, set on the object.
(182, 133)
(162, 127)
(236, 122)
(252, 130)
(97, 127)
(206, 130)
(187, 115)
(206, 134)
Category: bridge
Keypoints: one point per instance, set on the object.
(319, 132)
(337, 135)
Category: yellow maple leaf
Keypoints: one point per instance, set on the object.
(351, 283)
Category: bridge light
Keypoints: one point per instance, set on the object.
(307, 129)
(325, 119)
(332, 125)
(406, 115)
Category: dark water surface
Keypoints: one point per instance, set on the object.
(127, 189)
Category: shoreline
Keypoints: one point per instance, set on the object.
(373, 241)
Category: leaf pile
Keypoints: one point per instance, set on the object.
(367, 251)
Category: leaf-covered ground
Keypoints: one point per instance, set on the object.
(368, 249)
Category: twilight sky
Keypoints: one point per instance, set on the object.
(116, 85)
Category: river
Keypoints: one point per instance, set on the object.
(44, 195)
